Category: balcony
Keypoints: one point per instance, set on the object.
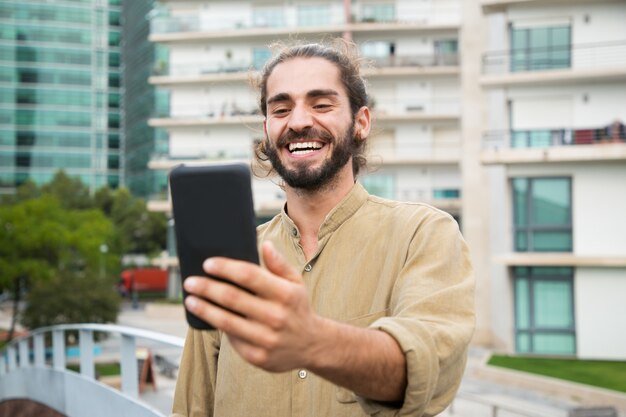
(372, 17)
(267, 202)
(553, 145)
(497, 6)
(441, 109)
(198, 26)
(224, 71)
(254, 23)
(228, 113)
(605, 61)
(408, 153)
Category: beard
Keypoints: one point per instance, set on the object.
(304, 177)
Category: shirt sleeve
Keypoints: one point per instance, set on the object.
(195, 386)
(432, 318)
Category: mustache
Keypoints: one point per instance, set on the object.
(307, 134)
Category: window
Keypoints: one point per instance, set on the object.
(378, 13)
(314, 15)
(540, 138)
(542, 214)
(260, 56)
(541, 48)
(544, 310)
(269, 16)
(380, 185)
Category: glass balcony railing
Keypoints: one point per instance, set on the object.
(545, 138)
(209, 24)
(582, 56)
(210, 110)
(229, 66)
(304, 16)
(381, 107)
(426, 150)
(426, 106)
(404, 13)
(434, 60)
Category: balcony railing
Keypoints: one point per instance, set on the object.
(434, 60)
(545, 138)
(583, 56)
(425, 106)
(381, 107)
(210, 110)
(211, 24)
(405, 13)
(244, 66)
(295, 18)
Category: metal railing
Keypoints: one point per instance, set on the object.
(581, 56)
(30, 370)
(545, 138)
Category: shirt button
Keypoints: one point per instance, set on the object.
(302, 374)
(294, 231)
(308, 268)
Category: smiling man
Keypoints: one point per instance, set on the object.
(362, 306)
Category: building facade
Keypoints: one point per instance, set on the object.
(412, 71)
(60, 92)
(499, 111)
(142, 101)
(553, 155)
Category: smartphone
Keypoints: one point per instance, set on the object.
(213, 216)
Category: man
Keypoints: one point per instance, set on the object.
(362, 306)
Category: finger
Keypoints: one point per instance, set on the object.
(276, 263)
(247, 275)
(252, 354)
(230, 323)
(235, 299)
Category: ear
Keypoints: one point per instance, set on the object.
(362, 123)
(265, 126)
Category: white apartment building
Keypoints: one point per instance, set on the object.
(493, 110)
(553, 79)
(413, 77)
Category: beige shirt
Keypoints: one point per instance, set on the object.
(402, 268)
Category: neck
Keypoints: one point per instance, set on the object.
(308, 209)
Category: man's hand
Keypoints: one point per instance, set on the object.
(274, 327)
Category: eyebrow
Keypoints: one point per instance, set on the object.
(311, 94)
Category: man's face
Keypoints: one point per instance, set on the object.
(309, 126)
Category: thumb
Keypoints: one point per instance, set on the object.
(277, 264)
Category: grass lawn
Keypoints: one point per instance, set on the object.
(604, 374)
(102, 369)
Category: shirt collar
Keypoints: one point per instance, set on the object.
(337, 216)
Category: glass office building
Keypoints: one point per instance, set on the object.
(141, 101)
(61, 93)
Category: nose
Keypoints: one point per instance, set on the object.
(300, 119)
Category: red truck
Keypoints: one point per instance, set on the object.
(143, 280)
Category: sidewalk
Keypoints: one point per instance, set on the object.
(479, 390)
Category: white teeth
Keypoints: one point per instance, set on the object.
(304, 145)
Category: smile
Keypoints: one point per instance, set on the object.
(302, 148)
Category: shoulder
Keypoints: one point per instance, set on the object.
(269, 227)
(404, 210)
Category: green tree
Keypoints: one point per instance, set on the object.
(71, 297)
(41, 240)
(71, 191)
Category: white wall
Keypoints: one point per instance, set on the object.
(599, 201)
(600, 313)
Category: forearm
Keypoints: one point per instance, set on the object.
(366, 361)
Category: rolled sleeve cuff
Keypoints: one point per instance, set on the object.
(421, 374)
